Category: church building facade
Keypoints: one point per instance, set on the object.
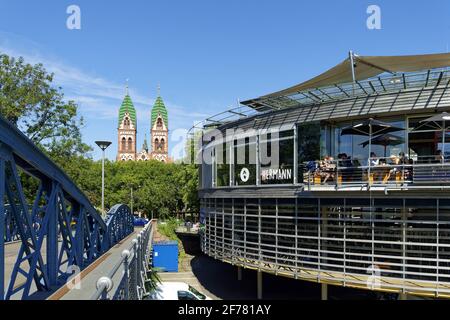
(127, 133)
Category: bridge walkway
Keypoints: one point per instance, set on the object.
(99, 268)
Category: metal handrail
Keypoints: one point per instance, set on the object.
(136, 265)
(358, 174)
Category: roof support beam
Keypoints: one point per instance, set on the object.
(362, 88)
(372, 65)
(315, 96)
(382, 84)
(342, 90)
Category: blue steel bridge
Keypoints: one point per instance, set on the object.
(59, 246)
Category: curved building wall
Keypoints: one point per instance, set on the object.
(385, 229)
(379, 243)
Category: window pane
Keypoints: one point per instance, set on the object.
(245, 162)
(223, 165)
(425, 140)
(280, 153)
(309, 145)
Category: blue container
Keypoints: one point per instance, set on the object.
(165, 256)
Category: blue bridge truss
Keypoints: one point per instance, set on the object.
(59, 230)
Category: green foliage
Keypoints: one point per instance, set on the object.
(30, 101)
(159, 189)
(168, 228)
(153, 280)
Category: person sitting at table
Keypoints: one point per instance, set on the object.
(405, 169)
(327, 169)
(439, 157)
(373, 161)
(402, 158)
(346, 165)
(395, 161)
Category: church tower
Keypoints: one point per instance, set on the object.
(127, 130)
(160, 131)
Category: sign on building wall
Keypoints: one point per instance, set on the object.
(276, 174)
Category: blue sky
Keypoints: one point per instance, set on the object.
(205, 54)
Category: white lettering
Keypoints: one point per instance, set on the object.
(276, 174)
(74, 20)
(374, 20)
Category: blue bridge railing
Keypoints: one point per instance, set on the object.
(58, 230)
(132, 271)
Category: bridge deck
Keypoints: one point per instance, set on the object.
(99, 268)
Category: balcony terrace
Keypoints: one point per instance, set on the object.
(380, 174)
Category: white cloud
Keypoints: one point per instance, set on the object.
(97, 97)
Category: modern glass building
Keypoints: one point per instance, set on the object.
(342, 180)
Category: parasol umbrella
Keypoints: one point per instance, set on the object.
(370, 128)
(438, 122)
(385, 140)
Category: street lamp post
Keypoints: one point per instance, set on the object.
(132, 197)
(132, 209)
(103, 145)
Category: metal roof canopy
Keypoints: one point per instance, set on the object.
(360, 76)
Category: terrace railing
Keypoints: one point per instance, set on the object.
(424, 171)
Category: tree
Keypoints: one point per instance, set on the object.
(188, 180)
(30, 101)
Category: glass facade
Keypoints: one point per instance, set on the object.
(402, 233)
(282, 158)
(309, 142)
(245, 159)
(277, 158)
(426, 140)
(223, 165)
(356, 147)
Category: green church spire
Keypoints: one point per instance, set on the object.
(127, 107)
(159, 108)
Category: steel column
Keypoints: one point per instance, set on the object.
(103, 183)
(52, 236)
(296, 180)
(324, 292)
(259, 280)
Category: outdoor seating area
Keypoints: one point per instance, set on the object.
(379, 170)
(387, 170)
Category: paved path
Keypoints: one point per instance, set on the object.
(99, 268)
